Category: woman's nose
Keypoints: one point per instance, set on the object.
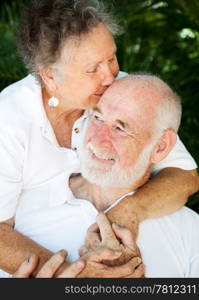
(107, 75)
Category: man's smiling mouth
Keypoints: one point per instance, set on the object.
(101, 155)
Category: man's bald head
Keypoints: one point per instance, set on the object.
(133, 127)
(159, 104)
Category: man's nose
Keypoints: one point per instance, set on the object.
(107, 75)
(103, 135)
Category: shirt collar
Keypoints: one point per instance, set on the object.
(117, 201)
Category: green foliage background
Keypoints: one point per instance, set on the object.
(160, 37)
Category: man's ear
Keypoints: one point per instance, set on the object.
(164, 145)
(48, 78)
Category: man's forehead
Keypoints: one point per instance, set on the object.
(119, 102)
(116, 118)
(115, 98)
(131, 95)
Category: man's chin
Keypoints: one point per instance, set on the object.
(97, 172)
(94, 174)
(99, 167)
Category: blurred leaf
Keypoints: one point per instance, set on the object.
(11, 67)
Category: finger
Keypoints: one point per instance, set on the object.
(139, 272)
(125, 270)
(125, 236)
(52, 265)
(27, 267)
(121, 271)
(102, 254)
(83, 250)
(92, 240)
(73, 269)
(93, 228)
(107, 235)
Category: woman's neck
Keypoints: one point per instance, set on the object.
(61, 119)
(60, 113)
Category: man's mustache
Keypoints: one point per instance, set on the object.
(101, 152)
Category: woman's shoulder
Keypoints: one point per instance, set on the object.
(19, 100)
(18, 88)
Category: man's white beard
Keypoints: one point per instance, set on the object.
(115, 176)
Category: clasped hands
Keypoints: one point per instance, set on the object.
(109, 252)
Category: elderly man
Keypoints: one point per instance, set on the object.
(68, 46)
(120, 150)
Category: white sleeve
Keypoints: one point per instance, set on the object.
(194, 267)
(11, 168)
(179, 157)
(121, 74)
(192, 241)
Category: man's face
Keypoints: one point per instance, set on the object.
(117, 136)
(86, 68)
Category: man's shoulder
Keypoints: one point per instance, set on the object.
(121, 74)
(182, 222)
(183, 218)
(185, 222)
(186, 212)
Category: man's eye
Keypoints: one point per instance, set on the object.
(119, 129)
(97, 118)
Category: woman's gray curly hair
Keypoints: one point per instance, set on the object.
(48, 23)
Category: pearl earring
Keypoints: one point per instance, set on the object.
(53, 102)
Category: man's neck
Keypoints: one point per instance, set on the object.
(103, 197)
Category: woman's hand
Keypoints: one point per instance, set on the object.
(115, 256)
(50, 268)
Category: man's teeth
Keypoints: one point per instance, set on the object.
(102, 154)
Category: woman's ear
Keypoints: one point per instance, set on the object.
(47, 75)
(164, 145)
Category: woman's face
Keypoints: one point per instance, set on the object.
(86, 68)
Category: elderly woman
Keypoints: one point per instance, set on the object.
(69, 49)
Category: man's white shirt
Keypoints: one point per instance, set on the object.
(32, 164)
(33, 167)
(169, 245)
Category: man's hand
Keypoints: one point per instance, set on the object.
(50, 268)
(114, 237)
(95, 268)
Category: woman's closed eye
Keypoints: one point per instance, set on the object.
(94, 69)
(111, 60)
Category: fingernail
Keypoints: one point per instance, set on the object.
(29, 259)
(117, 252)
(116, 225)
(79, 264)
(63, 253)
(139, 260)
